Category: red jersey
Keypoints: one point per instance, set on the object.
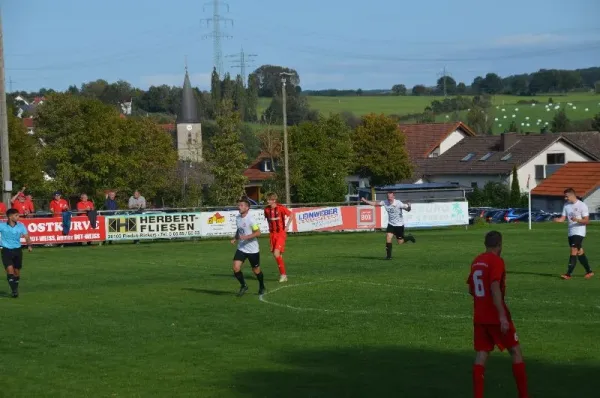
(485, 269)
(21, 207)
(85, 206)
(2, 209)
(58, 206)
(276, 217)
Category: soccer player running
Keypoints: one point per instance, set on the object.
(492, 322)
(247, 235)
(578, 215)
(276, 214)
(395, 226)
(12, 255)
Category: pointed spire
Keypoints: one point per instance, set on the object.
(189, 106)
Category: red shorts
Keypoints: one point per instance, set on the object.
(278, 242)
(487, 336)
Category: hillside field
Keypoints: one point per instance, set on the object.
(401, 105)
(162, 319)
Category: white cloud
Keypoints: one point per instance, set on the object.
(201, 80)
(532, 39)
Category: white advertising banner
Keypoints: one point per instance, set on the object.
(438, 214)
(318, 218)
(152, 226)
(222, 223)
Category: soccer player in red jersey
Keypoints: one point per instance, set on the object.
(492, 321)
(276, 214)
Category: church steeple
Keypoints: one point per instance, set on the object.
(189, 106)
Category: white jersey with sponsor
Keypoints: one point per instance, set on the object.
(577, 210)
(394, 210)
(246, 226)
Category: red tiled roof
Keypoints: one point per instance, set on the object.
(583, 177)
(254, 173)
(423, 138)
(28, 122)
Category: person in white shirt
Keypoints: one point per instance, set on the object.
(395, 226)
(246, 236)
(578, 216)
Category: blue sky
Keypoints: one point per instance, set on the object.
(331, 43)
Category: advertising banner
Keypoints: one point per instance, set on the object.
(317, 219)
(153, 226)
(439, 214)
(222, 223)
(47, 231)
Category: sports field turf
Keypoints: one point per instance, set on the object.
(161, 319)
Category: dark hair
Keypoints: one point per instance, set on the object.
(10, 212)
(493, 239)
(569, 191)
(244, 200)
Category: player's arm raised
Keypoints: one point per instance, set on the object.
(499, 304)
(369, 202)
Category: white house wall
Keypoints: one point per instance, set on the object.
(454, 138)
(571, 155)
(593, 201)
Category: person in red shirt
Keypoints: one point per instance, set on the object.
(20, 204)
(2, 209)
(276, 214)
(84, 205)
(58, 205)
(492, 322)
(29, 201)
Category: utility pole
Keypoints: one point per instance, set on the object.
(242, 60)
(285, 136)
(6, 182)
(216, 34)
(444, 75)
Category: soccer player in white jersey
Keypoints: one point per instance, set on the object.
(246, 236)
(578, 216)
(395, 226)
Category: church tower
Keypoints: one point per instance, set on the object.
(189, 129)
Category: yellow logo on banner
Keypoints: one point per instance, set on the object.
(122, 225)
(216, 219)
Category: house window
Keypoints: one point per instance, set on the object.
(474, 185)
(468, 157)
(267, 165)
(506, 157)
(435, 153)
(486, 156)
(189, 138)
(555, 158)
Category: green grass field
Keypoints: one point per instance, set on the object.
(161, 319)
(413, 104)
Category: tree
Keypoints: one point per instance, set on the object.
(26, 167)
(461, 88)
(446, 85)
(492, 84)
(227, 88)
(515, 190)
(271, 144)
(250, 114)
(596, 122)
(320, 160)
(239, 97)
(380, 150)
(399, 89)
(513, 128)
(228, 160)
(89, 148)
(419, 89)
(560, 122)
(479, 120)
(477, 85)
(269, 79)
(597, 87)
(215, 91)
(297, 110)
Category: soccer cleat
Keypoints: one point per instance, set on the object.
(15, 295)
(565, 276)
(410, 238)
(589, 275)
(388, 258)
(262, 291)
(243, 290)
(283, 278)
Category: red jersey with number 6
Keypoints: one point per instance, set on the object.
(276, 217)
(486, 269)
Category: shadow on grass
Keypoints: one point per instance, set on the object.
(404, 372)
(210, 291)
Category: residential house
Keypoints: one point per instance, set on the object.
(29, 125)
(589, 140)
(257, 173)
(474, 161)
(423, 141)
(583, 177)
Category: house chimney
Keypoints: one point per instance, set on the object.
(507, 140)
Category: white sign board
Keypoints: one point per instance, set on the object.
(438, 214)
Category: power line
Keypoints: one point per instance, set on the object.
(444, 75)
(216, 34)
(243, 60)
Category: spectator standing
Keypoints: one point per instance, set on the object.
(138, 203)
(58, 205)
(110, 203)
(86, 206)
(20, 204)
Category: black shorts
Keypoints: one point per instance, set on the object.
(253, 258)
(397, 231)
(12, 257)
(576, 241)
